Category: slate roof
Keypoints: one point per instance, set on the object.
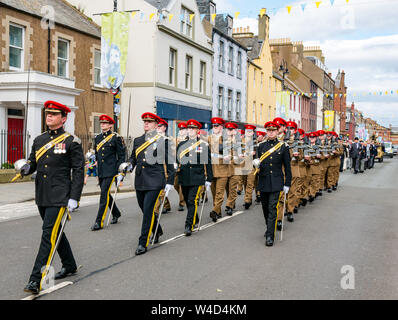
(65, 14)
(253, 45)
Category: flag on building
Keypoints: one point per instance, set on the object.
(114, 46)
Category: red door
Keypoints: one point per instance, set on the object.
(15, 139)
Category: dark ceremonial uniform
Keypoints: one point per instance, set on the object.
(150, 157)
(110, 154)
(272, 179)
(60, 177)
(194, 159)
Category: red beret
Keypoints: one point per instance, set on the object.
(55, 107)
(231, 125)
(217, 120)
(194, 124)
(242, 132)
(147, 116)
(291, 124)
(280, 121)
(106, 119)
(163, 122)
(260, 133)
(182, 125)
(321, 132)
(250, 127)
(272, 125)
(301, 131)
(312, 134)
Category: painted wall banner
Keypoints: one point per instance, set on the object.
(329, 120)
(114, 46)
(282, 104)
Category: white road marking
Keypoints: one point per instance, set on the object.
(211, 224)
(49, 290)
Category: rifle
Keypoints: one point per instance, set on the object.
(294, 145)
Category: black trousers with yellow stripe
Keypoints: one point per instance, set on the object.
(52, 217)
(191, 197)
(106, 201)
(147, 200)
(269, 202)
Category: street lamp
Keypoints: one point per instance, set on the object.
(283, 68)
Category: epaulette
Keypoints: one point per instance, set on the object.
(75, 138)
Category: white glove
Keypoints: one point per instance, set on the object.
(72, 205)
(167, 189)
(25, 169)
(207, 185)
(256, 163)
(119, 178)
(286, 189)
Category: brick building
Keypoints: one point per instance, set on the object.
(340, 100)
(63, 60)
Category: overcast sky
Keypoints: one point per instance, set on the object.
(360, 37)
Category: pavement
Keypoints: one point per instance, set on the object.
(353, 228)
(11, 193)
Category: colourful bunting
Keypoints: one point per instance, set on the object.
(332, 2)
(191, 16)
(151, 16)
(303, 6)
(171, 17)
(289, 8)
(318, 3)
(237, 15)
(262, 12)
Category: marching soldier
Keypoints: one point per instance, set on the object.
(334, 169)
(182, 136)
(324, 160)
(281, 135)
(306, 164)
(222, 169)
(161, 129)
(235, 157)
(194, 160)
(58, 158)
(110, 154)
(240, 184)
(298, 175)
(261, 137)
(315, 182)
(271, 156)
(282, 128)
(249, 178)
(150, 152)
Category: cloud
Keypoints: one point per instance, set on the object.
(361, 39)
(385, 113)
(358, 19)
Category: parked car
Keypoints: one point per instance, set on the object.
(394, 149)
(388, 150)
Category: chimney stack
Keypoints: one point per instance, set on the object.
(263, 27)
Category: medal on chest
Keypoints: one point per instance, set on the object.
(60, 148)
